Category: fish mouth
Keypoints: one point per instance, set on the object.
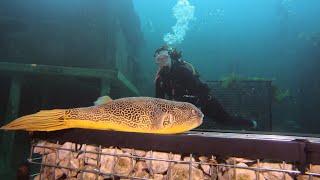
(196, 122)
(198, 119)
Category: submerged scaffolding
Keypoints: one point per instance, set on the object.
(112, 82)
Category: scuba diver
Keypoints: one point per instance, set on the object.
(177, 80)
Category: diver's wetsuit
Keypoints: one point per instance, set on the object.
(182, 83)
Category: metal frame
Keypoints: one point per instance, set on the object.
(301, 151)
(38, 161)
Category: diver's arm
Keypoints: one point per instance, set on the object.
(198, 85)
(159, 90)
(202, 90)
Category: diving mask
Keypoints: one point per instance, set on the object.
(162, 58)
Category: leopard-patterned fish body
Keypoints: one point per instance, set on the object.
(132, 114)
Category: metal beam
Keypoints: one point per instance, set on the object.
(112, 76)
(58, 70)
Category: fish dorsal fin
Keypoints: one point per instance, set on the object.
(103, 100)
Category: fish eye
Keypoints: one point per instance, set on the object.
(193, 112)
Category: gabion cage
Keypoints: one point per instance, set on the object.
(251, 99)
(82, 161)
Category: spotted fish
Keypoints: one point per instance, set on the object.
(131, 114)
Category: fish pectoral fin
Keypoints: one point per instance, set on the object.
(103, 100)
(163, 119)
(167, 120)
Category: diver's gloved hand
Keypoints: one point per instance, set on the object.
(254, 124)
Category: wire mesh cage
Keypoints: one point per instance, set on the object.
(82, 161)
(251, 99)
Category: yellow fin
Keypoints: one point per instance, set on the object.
(48, 120)
(103, 100)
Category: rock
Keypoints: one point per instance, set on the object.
(140, 166)
(175, 157)
(181, 172)
(187, 159)
(50, 159)
(307, 177)
(43, 177)
(159, 167)
(107, 162)
(64, 163)
(239, 160)
(235, 160)
(210, 170)
(141, 174)
(91, 162)
(314, 169)
(124, 165)
(62, 154)
(58, 173)
(40, 150)
(134, 152)
(72, 178)
(71, 163)
(207, 168)
(88, 175)
(206, 177)
(241, 174)
(159, 177)
(274, 174)
(90, 149)
(49, 172)
(75, 164)
(203, 159)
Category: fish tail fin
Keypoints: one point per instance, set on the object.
(46, 120)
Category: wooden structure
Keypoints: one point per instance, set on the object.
(112, 82)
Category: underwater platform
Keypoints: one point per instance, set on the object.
(302, 149)
(256, 152)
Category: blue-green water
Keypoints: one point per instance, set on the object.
(277, 40)
(272, 39)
